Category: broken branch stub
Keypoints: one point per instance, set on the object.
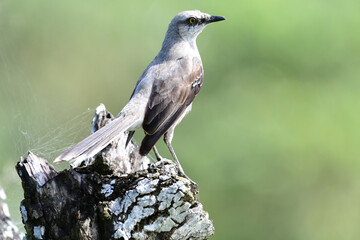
(116, 195)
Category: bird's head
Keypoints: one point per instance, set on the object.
(189, 24)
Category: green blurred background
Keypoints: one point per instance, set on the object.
(273, 138)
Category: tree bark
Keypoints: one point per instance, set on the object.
(116, 195)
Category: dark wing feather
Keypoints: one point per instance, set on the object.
(169, 98)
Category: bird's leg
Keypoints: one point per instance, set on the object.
(157, 154)
(168, 143)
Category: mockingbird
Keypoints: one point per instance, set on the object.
(163, 94)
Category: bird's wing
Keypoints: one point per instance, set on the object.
(173, 90)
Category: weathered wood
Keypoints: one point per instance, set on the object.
(116, 195)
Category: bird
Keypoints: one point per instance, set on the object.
(162, 96)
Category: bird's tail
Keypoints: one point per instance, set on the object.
(97, 141)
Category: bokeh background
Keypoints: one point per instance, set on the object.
(273, 138)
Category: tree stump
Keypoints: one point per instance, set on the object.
(118, 194)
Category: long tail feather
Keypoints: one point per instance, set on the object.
(98, 140)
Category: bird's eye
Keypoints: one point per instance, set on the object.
(192, 20)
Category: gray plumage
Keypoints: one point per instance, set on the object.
(163, 94)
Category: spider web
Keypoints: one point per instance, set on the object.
(24, 121)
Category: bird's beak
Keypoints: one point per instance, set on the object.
(215, 19)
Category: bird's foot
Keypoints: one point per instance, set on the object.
(182, 174)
